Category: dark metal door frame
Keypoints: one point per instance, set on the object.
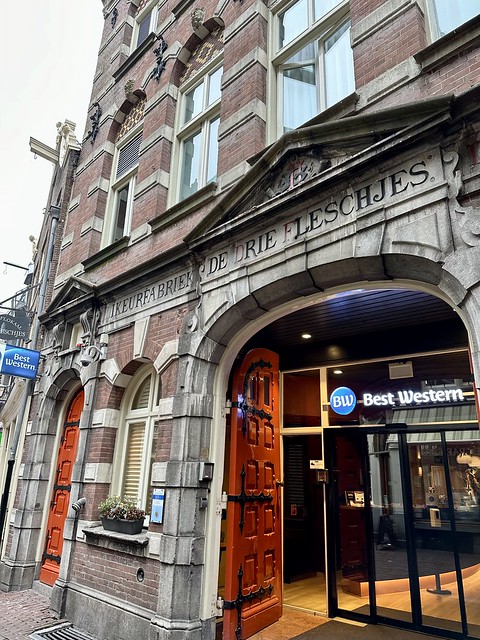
(333, 534)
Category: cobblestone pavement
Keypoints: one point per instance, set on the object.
(22, 613)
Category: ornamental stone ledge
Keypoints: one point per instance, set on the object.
(135, 545)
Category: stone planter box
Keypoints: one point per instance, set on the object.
(130, 527)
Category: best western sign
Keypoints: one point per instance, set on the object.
(343, 400)
(15, 361)
(409, 397)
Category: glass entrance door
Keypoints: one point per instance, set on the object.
(443, 472)
(406, 528)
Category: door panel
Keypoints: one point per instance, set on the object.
(353, 568)
(253, 555)
(67, 452)
(447, 528)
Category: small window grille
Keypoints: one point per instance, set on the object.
(128, 156)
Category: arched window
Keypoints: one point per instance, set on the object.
(137, 440)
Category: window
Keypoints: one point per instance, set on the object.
(314, 60)
(198, 134)
(137, 444)
(121, 195)
(145, 23)
(447, 15)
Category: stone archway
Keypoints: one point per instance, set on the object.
(236, 324)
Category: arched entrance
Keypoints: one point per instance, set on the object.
(386, 341)
(58, 510)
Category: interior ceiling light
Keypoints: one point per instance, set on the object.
(337, 372)
(306, 336)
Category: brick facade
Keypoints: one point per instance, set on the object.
(182, 291)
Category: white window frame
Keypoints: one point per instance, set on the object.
(128, 417)
(150, 10)
(126, 180)
(317, 32)
(200, 123)
(435, 32)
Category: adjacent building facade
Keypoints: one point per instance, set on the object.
(262, 324)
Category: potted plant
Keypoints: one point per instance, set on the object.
(121, 514)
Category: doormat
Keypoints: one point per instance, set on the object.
(64, 631)
(337, 630)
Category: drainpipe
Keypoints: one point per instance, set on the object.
(29, 386)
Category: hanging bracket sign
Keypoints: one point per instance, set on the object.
(14, 327)
(15, 361)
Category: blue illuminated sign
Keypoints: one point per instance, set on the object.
(15, 361)
(343, 401)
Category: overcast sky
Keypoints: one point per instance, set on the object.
(48, 51)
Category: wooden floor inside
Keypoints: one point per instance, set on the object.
(442, 611)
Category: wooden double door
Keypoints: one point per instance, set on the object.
(253, 577)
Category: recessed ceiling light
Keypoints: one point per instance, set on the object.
(306, 336)
(337, 372)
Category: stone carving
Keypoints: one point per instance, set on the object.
(33, 240)
(128, 88)
(298, 168)
(65, 138)
(198, 18)
(58, 333)
(191, 322)
(468, 218)
(89, 321)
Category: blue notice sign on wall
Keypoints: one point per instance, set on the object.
(15, 361)
(158, 503)
(343, 401)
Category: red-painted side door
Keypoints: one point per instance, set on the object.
(253, 578)
(67, 452)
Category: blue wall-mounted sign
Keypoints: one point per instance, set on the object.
(15, 361)
(158, 503)
(343, 401)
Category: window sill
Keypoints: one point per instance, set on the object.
(106, 253)
(135, 545)
(449, 45)
(183, 208)
(135, 56)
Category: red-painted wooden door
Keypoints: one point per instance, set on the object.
(253, 577)
(67, 452)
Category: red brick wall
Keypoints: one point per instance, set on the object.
(114, 573)
(387, 47)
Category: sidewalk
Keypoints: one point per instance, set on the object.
(22, 613)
